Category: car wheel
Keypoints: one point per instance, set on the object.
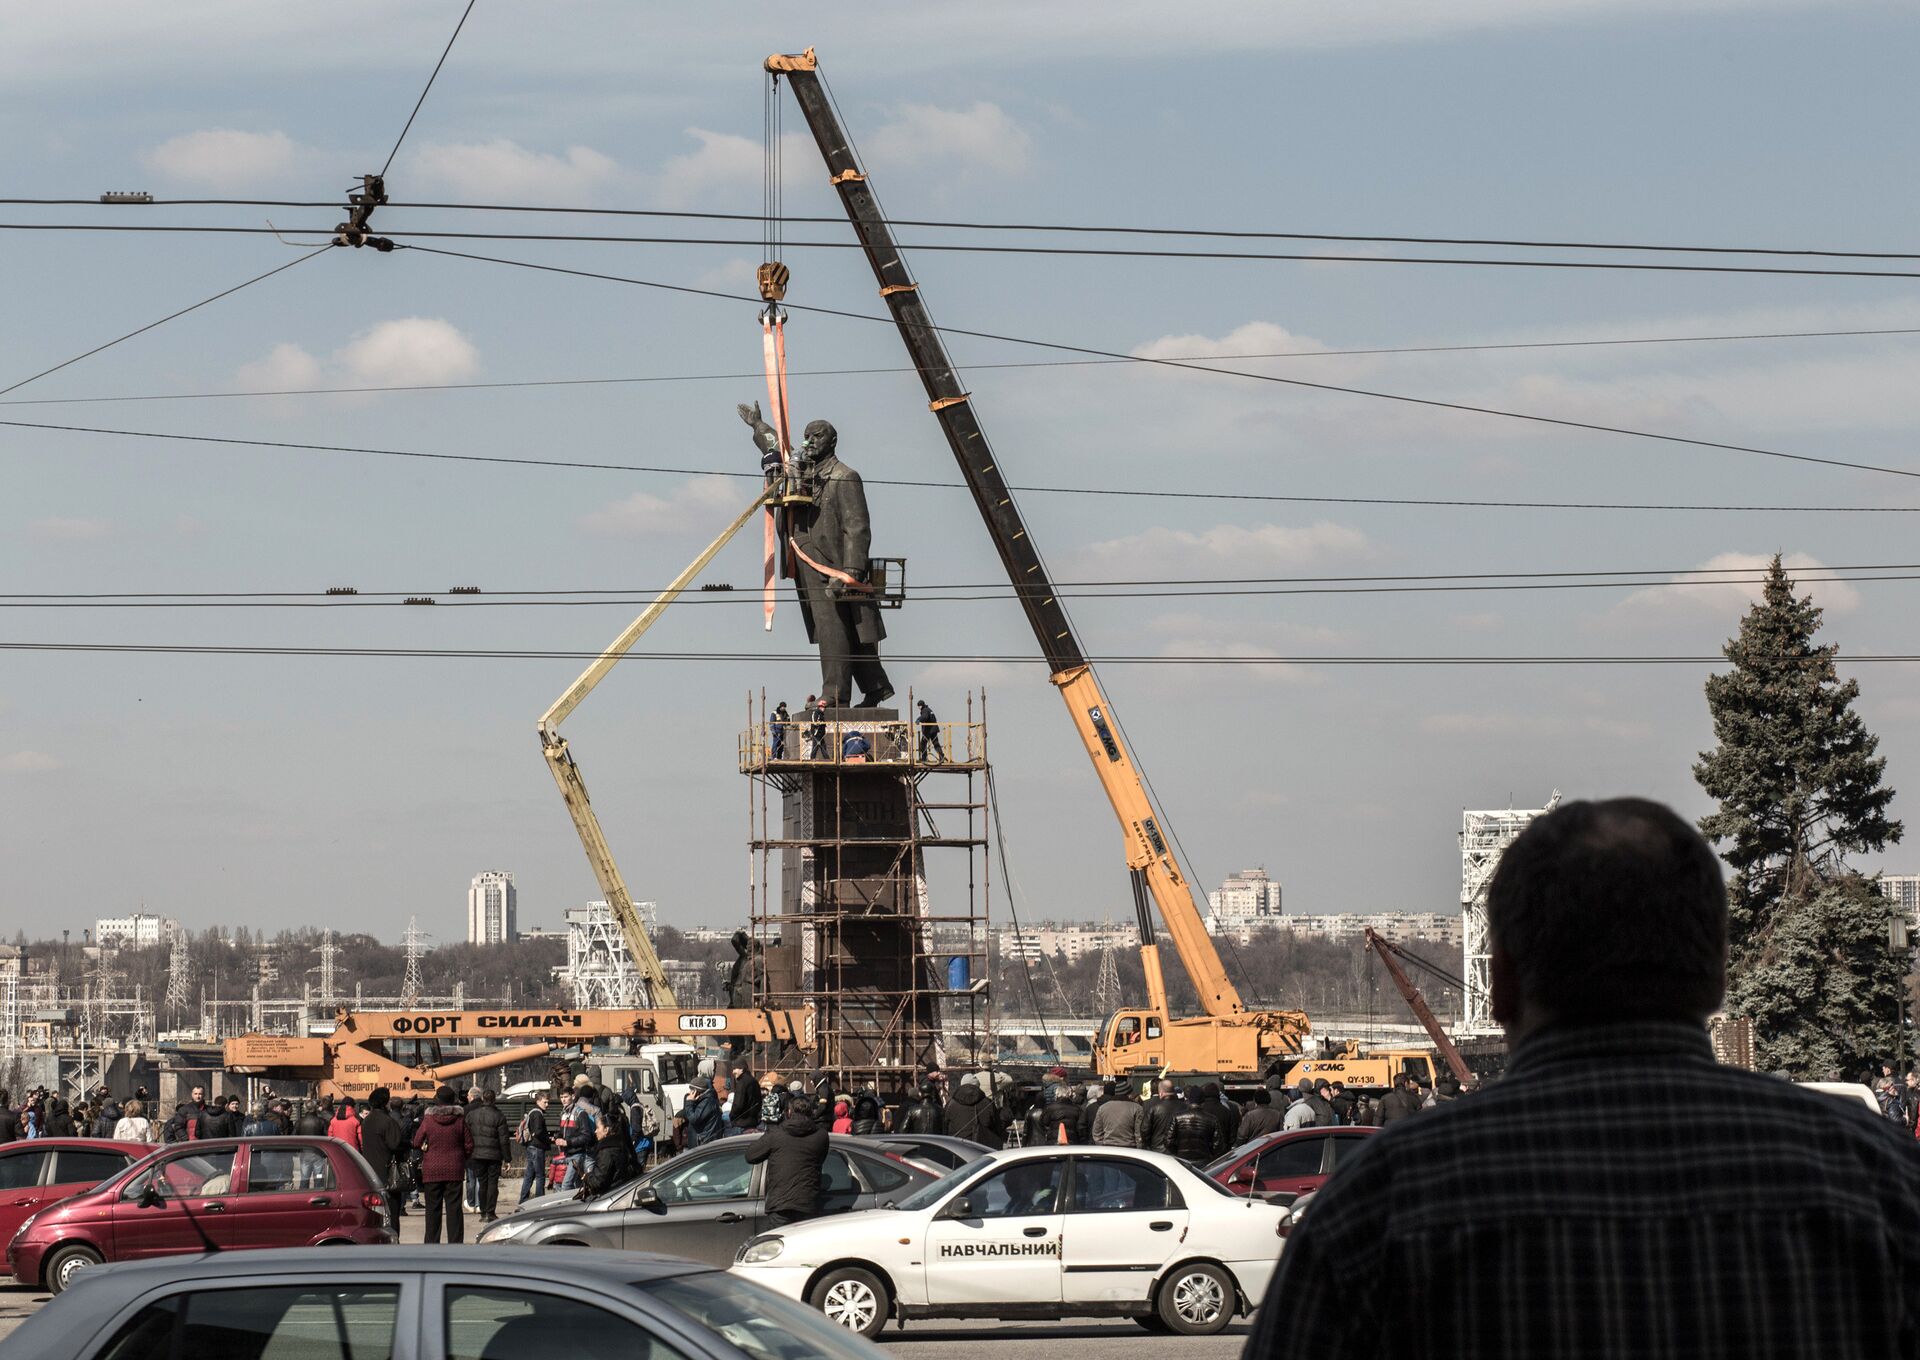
(67, 1263)
(1196, 1299)
(853, 1298)
(1151, 1321)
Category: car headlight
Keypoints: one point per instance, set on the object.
(761, 1250)
(506, 1229)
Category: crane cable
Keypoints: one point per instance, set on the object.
(772, 278)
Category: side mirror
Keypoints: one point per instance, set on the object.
(151, 1198)
(648, 1198)
(961, 1207)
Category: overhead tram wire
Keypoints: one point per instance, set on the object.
(1135, 492)
(1034, 227)
(426, 89)
(762, 658)
(1434, 403)
(1089, 252)
(1376, 351)
(922, 596)
(170, 316)
(1705, 575)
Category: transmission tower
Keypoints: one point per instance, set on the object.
(328, 952)
(410, 984)
(1106, 989)
(179, 981)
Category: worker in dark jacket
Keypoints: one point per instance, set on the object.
(1261, 1118)
(1401, 1102)
(1225, 1113)
(608, 1163)
(1160, 1111)
(743, 1115)
(109, 1114)
(311, 1123)
(794, 1150)
(10, 1130)
(445, 1143)
(1061, 1116)
(1197, 1138)
(381, 1141)
(972, 1114)
(489, 1129)
(924, 1115)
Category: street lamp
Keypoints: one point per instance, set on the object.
(1900, 942)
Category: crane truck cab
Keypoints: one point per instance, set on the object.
(656, 1076)
(1372, 1071)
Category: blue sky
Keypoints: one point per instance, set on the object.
(357, 792)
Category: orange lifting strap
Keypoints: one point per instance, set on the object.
(773, 348)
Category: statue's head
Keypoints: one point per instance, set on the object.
(819, 439)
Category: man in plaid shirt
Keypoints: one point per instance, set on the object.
(1618, 1194)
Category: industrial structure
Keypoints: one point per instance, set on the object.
(599, 969)
(842, 918)
(1484, 836)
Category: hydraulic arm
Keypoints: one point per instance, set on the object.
(1389, 953)
(1150, 860)
(566, 773)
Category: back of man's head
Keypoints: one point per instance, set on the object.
(1608, 911)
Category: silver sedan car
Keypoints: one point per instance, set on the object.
(704, 1204)
(424, 1303)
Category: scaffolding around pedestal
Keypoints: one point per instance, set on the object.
(844, 813)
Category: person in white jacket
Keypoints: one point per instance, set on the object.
(134, 1126)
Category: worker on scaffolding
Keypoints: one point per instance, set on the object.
(830, 538)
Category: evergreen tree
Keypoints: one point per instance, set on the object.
(1798, 783)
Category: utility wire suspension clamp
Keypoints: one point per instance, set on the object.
(360, 205)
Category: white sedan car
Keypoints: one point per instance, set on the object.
(1046, 1233)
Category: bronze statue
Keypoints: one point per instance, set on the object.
(827, 542)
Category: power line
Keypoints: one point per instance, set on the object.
(919, 596)
(429, 86)
(762, 658)
(1091, 252)
(1707, 574)
(1374, 351)
(168, 317)
(1076, 228)
(1402, 398)
(1136, 492)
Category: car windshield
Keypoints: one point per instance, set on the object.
(1214, 1185)
(929, 1195)
(763, 1324)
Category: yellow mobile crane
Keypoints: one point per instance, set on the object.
(1228, 1038)
(566, 773)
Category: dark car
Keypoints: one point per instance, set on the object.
(47, 1170)
(215, 1194)
(427, 1303)
(1287, 1164)
(936, 1152)
(703, 1204)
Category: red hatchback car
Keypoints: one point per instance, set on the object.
(220, 1194)
(1287, 1164)
(45, 1170)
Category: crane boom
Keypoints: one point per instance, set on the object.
(566, 773)
(1388, 953)
(1149, 858)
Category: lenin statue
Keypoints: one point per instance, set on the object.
(827, 545)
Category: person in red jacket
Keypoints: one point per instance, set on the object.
(445, 1144)
(345, 1124)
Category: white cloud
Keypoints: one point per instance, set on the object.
(29, 762)
(983, 137)
(68, 529)
(285, 366)
(1225, 549)
(506, 169)
(1255, 337)
(225, 158)
(409, 349)
(1696, 596)
(690, 507)
(721, 162)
